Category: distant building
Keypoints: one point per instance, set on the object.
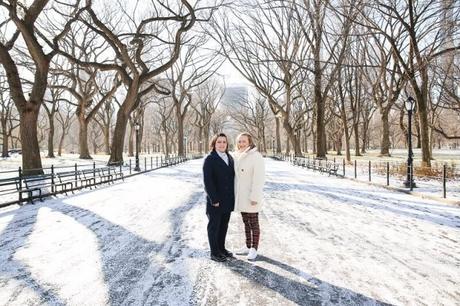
(234, 94)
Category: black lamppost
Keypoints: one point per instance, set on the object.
(273, 145)
(137, 127)
(410, 107)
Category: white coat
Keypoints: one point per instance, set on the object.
(249, 180)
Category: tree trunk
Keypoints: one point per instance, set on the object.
(356, 137)
(305, 140)
(107, 139)
(385, 140)
(5, 139)
(61, 143)
(288, 145)
(364, 139)
(83, 138)
(200, 140)
(347, 135)
(278, 136)
(338, 143)
(206, 138)
(131, 140)
(51, 137)
(320, 112)
(94, 146)
(416, 127)
(116, 153)
(180, 131)
(424, 135)
(31, 160)
(118, 140)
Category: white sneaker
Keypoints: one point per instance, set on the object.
(252, 254)
(243, 251)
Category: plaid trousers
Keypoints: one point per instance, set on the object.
(251, 229)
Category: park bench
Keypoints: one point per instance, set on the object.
(8, 187)
(65, 180)
(331, 168)
(107, 174)
(117, 172)
(35, 184)
(87, 178)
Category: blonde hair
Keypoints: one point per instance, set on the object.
(251, 142)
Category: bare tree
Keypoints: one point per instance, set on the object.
(8, 116)
(206, 99)
(192, 69)
(386, 81)
(51, 106)
(90, 87)
(65, 116)
(326, 28)
(253, 116)
(104, 118)
(26, 21)
(140, 50)
(260, 46)
(165, 108)
(423, 40)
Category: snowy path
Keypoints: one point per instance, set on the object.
(324, 241)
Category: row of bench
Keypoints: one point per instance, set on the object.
(39, 186)
(323, 166)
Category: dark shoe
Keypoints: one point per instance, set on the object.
(227, 253)
(218, 258)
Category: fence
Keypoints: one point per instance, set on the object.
(16, 188)
(441, 179)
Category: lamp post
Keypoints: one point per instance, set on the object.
(273, 145)
(137, 127)
(410, 107)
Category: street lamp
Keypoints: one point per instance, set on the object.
(410, 107)
(137, 127)
(273, 145)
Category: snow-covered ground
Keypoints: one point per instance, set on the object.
(143, 242)
(68, 160)
(428, 185)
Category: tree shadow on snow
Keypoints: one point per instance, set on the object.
(309, 291)
(353, 196)
(12, 239)
(125, 256)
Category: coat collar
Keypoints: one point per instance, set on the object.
(230, 159)
(239, 156)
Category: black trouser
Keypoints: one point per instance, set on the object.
(217, 231)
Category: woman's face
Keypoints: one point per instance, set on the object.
(221, 144)
(243, 142)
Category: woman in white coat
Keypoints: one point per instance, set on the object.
(249, 184)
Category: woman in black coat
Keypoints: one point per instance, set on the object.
(219, 178)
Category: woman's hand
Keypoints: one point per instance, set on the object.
(215, 204)
(253, 203)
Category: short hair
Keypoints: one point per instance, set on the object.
(251, 142)
(212, 143)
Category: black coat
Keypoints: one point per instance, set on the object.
(219, 183)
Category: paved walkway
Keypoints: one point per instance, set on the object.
(325, 241)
